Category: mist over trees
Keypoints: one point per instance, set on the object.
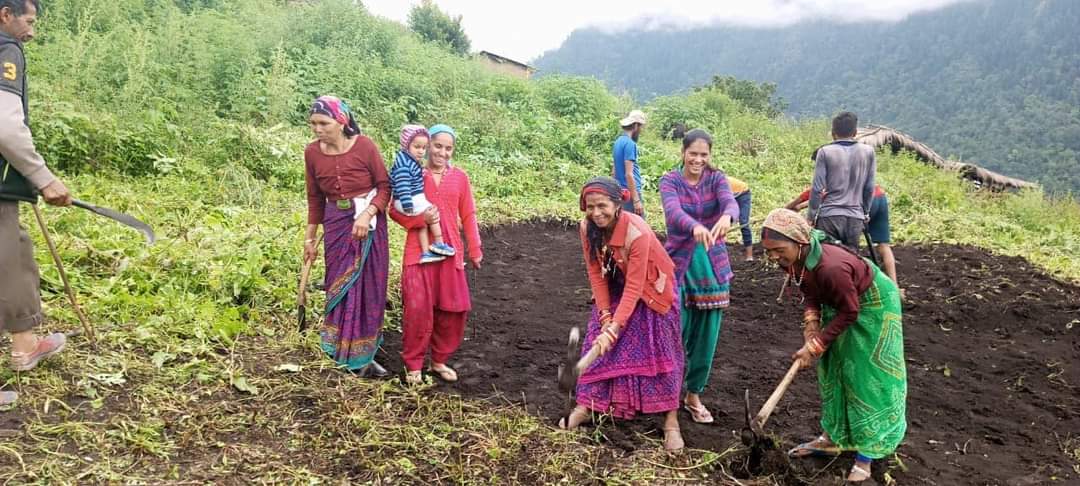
(991, 81)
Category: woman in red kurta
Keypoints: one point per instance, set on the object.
(436, 295)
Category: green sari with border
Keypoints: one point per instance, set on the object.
(862, 377)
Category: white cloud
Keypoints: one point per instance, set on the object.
(523, 30)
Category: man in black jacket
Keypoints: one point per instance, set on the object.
(21, 171)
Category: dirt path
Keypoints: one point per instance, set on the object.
(993, 396)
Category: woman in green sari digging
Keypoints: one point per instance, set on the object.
(852, 326)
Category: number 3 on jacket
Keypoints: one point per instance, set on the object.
(10, 71)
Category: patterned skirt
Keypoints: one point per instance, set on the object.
(643, 373)
(862, 376)
(351, 332)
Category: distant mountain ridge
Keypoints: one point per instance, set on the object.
(997, 81)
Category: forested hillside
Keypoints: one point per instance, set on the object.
(994, 81)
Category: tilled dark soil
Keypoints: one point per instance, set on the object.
(992, 347)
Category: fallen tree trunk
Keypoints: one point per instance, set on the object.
(880, 136)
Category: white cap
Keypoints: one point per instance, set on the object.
(636, 116)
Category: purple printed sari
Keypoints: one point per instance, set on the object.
(351, 332)
(643, 372)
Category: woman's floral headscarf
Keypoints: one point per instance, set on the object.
(789, 224)
(337, 109)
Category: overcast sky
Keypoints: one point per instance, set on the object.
(522, 30)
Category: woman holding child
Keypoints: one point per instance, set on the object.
(436, 294)
(348, 191)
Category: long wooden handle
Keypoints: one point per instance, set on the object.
(305, 271)
(87, 327)
(301, 293)
(770, 404)
(588, 359)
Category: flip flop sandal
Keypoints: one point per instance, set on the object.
(859, 474)
(807, 449)
(445, 372)
(699, 414)
(414, 378)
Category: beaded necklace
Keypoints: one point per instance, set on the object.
(802, 275)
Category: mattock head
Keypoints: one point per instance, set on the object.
(749, 435)
(568, 369)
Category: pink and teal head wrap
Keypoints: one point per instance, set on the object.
(410, 132)
(337, 109)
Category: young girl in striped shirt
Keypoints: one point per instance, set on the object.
(407, 181)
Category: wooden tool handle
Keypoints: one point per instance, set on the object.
(305, 271)
(588, 359)
(770, 404)
(87, 326)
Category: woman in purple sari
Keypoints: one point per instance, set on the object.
(348, 190)
(635, 317)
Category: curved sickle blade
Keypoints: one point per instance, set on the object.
(121, 218)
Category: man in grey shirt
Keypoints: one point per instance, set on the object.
(22, 166)
(843, 185)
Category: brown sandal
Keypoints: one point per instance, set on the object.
(819, 447)
(673, 444)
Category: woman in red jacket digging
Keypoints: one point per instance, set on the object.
(635, 318)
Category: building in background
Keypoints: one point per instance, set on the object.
(506, 65)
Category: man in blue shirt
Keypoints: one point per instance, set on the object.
(625, 156)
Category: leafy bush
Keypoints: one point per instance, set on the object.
(703, 109)
(757, 97)
(434, 25)
(75, 141)
(579, 99)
